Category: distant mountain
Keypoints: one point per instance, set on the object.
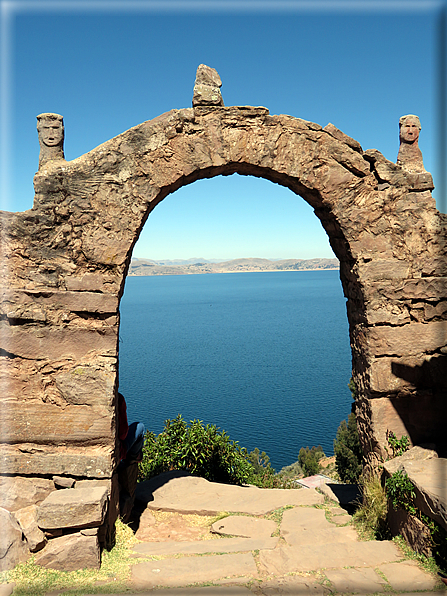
(194, 266)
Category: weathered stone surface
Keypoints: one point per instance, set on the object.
(63, 482)
(224, 545)
(73, 508)
(415, 338)
(27, 519)
(71, 552)
(70, 424)
(207, 87)
(17, 492)
(311, 557)
(410, 156)
(407, 576)
(293, 585)
(91, 461)
(412, 530)
(357, 581)
(13, 549)
(247, 527)
(209, 498)
(184, 571)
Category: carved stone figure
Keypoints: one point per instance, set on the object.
(207, 87)
(410, 156)
(50, 129)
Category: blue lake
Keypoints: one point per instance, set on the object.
(264, 356)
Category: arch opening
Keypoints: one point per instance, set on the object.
(247, 360)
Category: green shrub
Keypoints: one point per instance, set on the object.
(309, 460)
(400, 491)
(201, 450)
(348, 452)
(398, 446)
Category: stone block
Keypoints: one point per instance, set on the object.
(412, 530)
(73, 508)
(70, 553)
(74, 423)
(17, 492)
(49, 343)
(63, 482)
(383, 269)
(92, 461)
(411, 339)
(13, 550)
(27, 519)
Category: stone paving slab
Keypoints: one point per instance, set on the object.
(292, 585)
(302, 518)
(246, 527)
(193, 591)
(224, 545)
(341, 520)
(312, 557)
(190, 494)
(356, 581)
(407, 576)
(188, 570)
(322, 536)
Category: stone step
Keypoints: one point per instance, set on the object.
(188, 570)
(224, 545)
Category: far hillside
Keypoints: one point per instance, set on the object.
(194, 266)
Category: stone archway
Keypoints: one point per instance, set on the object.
(64, 264)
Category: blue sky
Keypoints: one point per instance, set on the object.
(109, 65)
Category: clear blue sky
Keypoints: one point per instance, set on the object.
(109, 65)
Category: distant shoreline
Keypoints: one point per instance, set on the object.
(147, 267)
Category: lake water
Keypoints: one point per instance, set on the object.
(264, 356)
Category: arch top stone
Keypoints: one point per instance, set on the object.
(65, 261)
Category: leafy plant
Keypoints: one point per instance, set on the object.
(309, 460)
(398, 446)
(400, 491)
(202, 450)
(348, 452)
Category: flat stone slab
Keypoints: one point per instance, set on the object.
(292, 585)
(190, 494)
(408, 576)
(188, 570)
(224, 545)
(363, 581)
(312, 557)
(302, 518)
(73, 508)
(342, 519)
(246, 527)
(194, 591)
(322, 536)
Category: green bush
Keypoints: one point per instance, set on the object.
(201, 450)
(400, 491)
(348, 452)
(309, 460)
(398, 446)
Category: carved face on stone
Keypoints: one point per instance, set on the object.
(51, 132)
(409, 129)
